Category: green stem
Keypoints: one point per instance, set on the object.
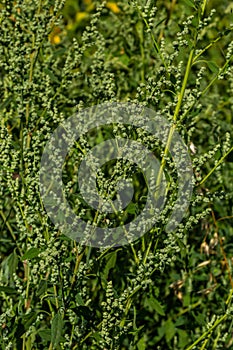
(56, 297)
(206, 341)
(188, 309)
(126, 234)
(11, 231)
(217, 75)
(203, 92)
(205, 334)
(185, 81)
(27, 278)
(156, 45)
(77, 262)
(206, 48)
(176, 113)
(218, 163)
(203, 7)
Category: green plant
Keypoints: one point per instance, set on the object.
(166, 290)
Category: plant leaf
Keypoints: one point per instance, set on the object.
(31, 253)
(190, 3)
(79, 299)
(212, 66)
(42, 287)
(155, 305)
(8, 290)
(170, 330)
(56, 329)
(110, 263)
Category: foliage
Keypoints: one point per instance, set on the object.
(166, 290)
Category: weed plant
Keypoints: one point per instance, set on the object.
(166, 290)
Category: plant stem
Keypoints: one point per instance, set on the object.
(205, 334)
(215, 167)
(176, 113)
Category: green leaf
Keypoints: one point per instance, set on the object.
(180, 321)
(97, 336)
(110, 263)
(132, 208)
(59, 52)
(170, 330)
(190, 3)
(9, 266)
(31, 338)
(141, 344)
(28, 319)
(8, 290)
(31, 253)
(155, 305)
(139, 29)
(56, 329)
(186, 299)
(51, 75)
(6, 102)
(183, 338)
(161, 21)
(173, 79)
(45, 334)
(42, 288)
(183, 249)
(124, 59)
(199, 318)
(212, 66)
(79, 299)
(161, 332)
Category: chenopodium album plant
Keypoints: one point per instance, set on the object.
(165, 289)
